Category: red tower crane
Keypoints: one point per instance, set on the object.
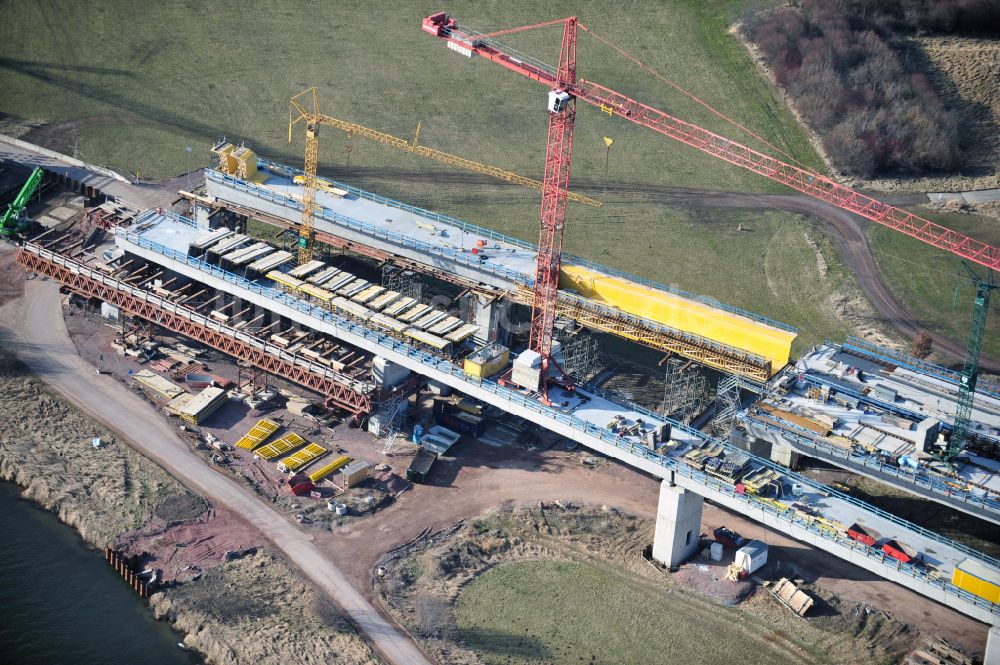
(565, 89)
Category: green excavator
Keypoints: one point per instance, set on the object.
(11, 224)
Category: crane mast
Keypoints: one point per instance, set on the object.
(970, 369)
(307, 232)
(555, 188)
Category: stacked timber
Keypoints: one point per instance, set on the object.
(203, 405)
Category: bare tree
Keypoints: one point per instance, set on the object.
(922, 345)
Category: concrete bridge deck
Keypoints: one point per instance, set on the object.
(587, 424)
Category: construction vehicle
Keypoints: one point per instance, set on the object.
(11, 225)
(565, 88)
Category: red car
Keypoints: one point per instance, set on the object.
(728, 537)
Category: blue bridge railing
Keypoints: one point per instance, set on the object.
(630, 446)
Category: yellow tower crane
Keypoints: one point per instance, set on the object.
(297, 111)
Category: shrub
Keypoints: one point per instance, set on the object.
(846, 68)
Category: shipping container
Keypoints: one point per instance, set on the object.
(978, 579)
(463, 423)
(355, 473)
(752, 556)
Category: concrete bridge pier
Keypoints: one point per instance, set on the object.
(492, 317)
(678, 525)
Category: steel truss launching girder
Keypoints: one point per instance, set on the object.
(336, 390)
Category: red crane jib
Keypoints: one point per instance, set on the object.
(815, 185)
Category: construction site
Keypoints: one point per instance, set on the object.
(333, 348)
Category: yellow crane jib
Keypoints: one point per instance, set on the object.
(354, 129)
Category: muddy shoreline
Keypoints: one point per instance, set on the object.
(232, 604)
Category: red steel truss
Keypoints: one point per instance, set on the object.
(336, 393)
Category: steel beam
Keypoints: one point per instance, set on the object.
(337, 393)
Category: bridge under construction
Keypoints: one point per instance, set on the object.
(203, 277)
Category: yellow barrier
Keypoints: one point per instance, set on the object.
(288, 442)
(681, 313)
(257, 435)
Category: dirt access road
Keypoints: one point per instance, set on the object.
(37, 335)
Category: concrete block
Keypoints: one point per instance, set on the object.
(438, 387)
(388, 374)
(678, 525)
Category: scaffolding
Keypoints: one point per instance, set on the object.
(727, 406)
(685, 390)
(390, 420)
(251, 380)
(581, 356)
(401, 281)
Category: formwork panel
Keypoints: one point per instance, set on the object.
(681, 313)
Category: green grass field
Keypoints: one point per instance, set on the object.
(138, 84)
(549, 612)
(925, 279)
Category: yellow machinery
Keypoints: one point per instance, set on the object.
(238, 161)
(977, 579)
(486, 361)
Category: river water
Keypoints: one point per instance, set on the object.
(61, 603)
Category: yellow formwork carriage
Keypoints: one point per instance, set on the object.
(681, 313)
(246, 165)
